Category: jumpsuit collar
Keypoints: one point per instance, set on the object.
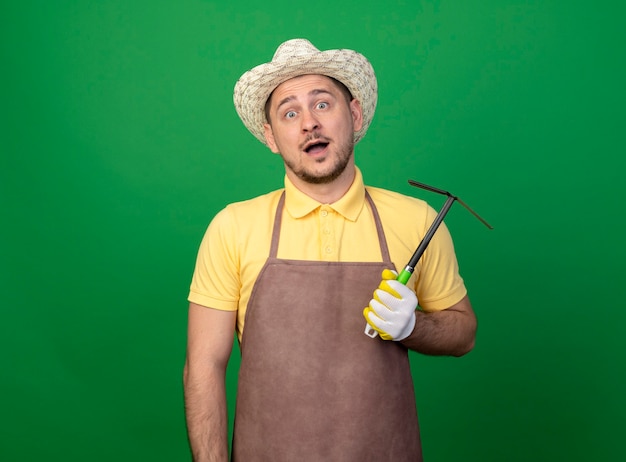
(349, 206)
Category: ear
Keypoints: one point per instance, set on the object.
(269, 138)
(357, 114)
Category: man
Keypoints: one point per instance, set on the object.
(291, 272)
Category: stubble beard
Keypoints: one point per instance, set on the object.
(344, 154)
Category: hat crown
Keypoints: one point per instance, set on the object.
(294, 48)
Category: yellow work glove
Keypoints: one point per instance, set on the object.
(392, 310)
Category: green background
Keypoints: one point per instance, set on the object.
(119, 142)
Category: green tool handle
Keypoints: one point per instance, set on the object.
(404, 276)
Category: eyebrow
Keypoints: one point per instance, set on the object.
(314, 92)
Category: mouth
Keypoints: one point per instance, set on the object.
(316, 146)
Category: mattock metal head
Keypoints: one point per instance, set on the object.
(446, 193)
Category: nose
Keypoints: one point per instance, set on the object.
(309, 122)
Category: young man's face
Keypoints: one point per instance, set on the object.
(312, 127)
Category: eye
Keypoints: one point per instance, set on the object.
(322, 105)
(290, 115)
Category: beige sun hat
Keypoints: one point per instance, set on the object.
(299, 57)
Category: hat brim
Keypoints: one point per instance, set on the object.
(347, 66)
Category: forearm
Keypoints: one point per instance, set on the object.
(206, 415)
(448, 332)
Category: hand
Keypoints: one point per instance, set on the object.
(392, 310)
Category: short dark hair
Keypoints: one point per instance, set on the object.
(344, 90)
